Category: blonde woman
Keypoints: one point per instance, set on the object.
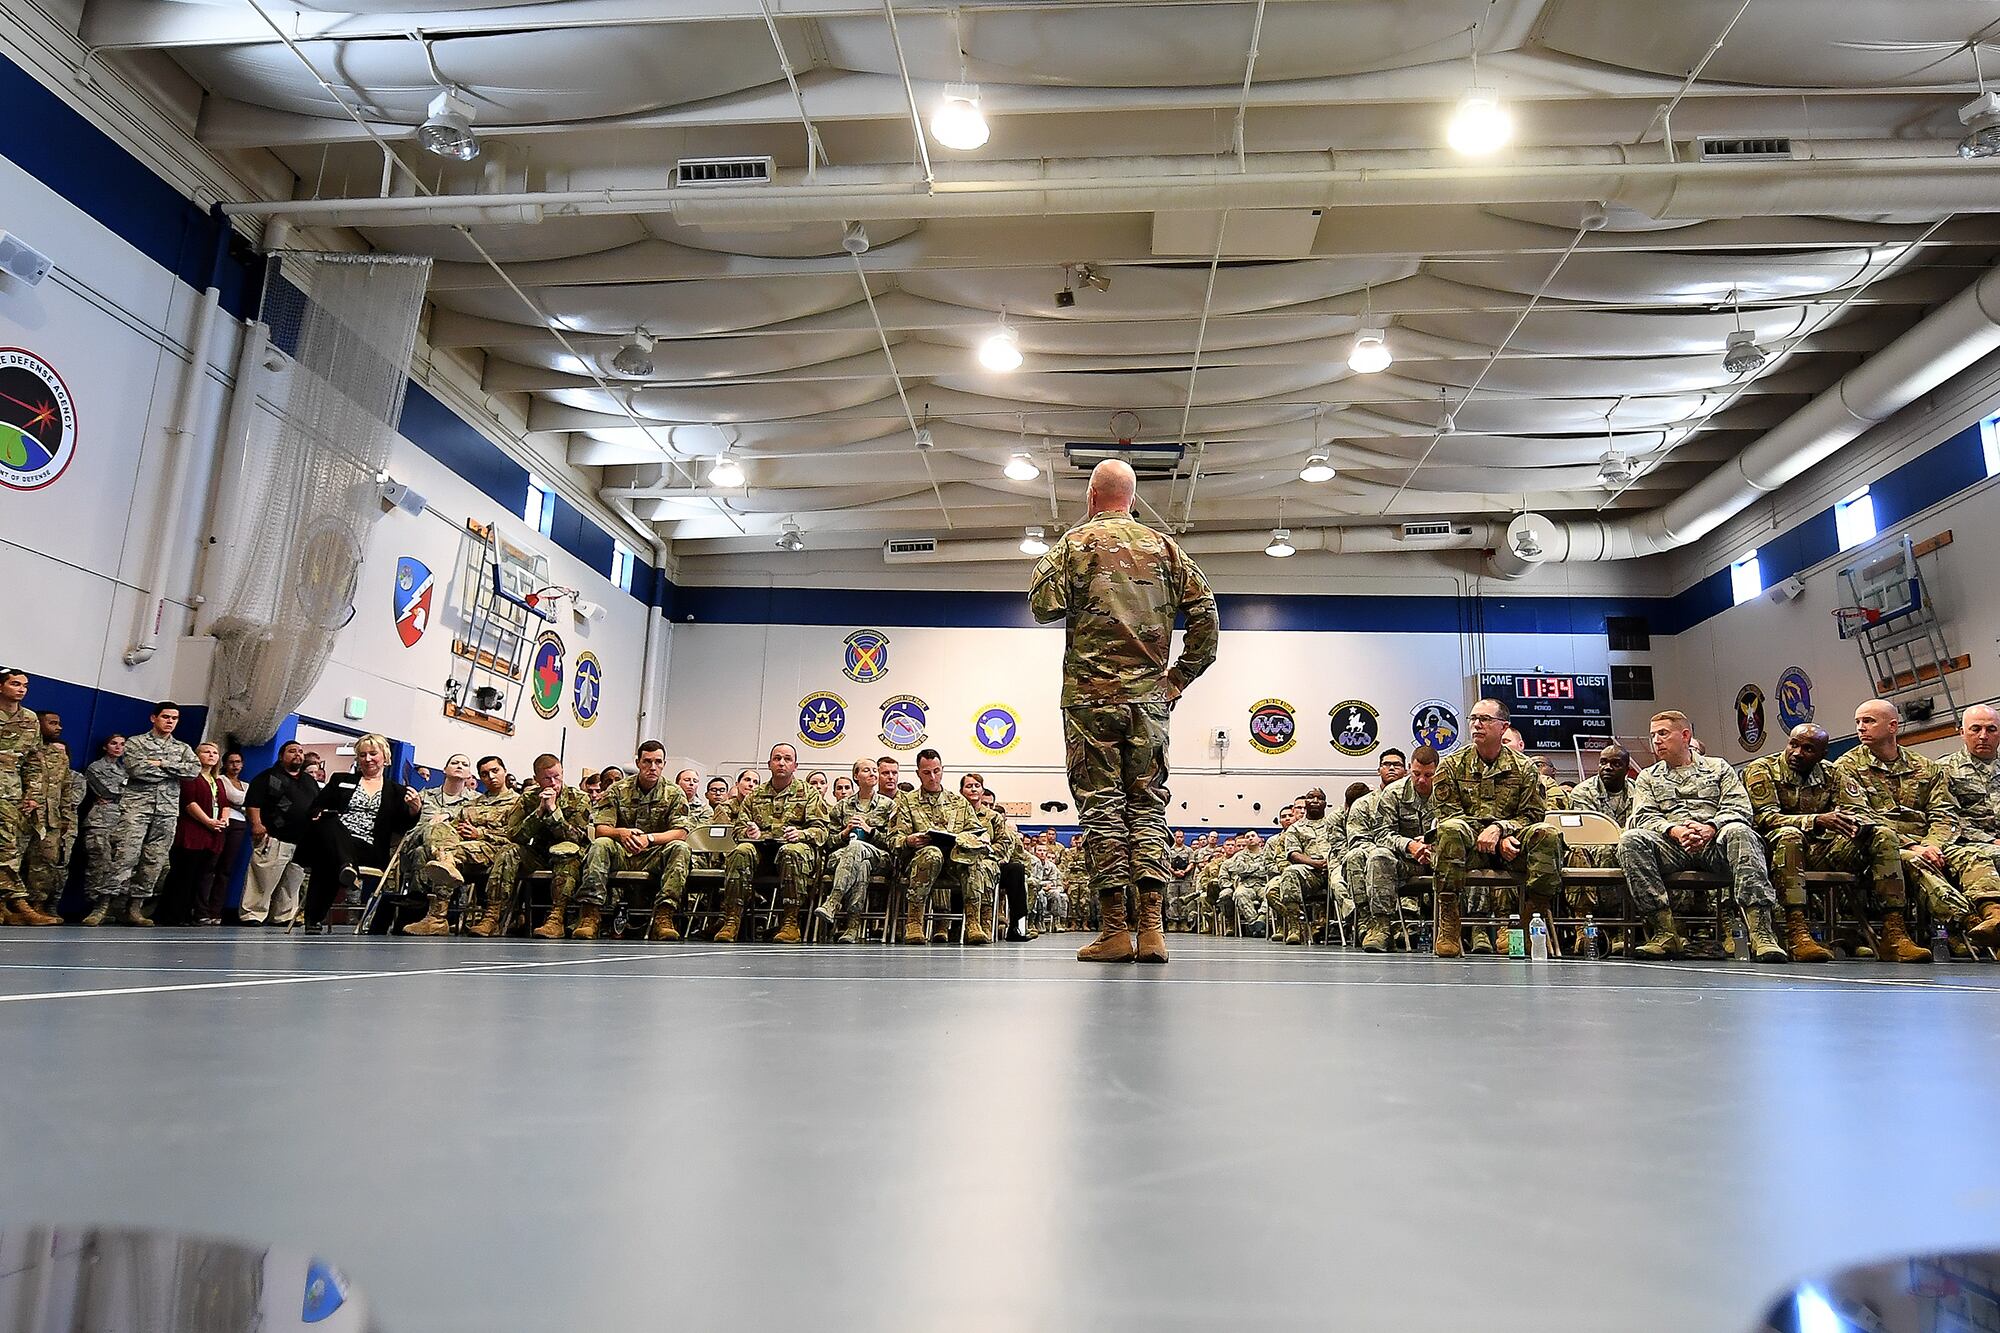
(357, 821)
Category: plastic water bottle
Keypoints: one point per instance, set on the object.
(1940, 944)
(1538, 939)
(1740, 945)
(1593, 946)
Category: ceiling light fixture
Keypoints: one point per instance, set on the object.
(1001, 350)
(1022, 468)
(1035, 543)
(1318, 468)
(1615, 470)
(727, 473)
(1479, 124)
(1371, 351)
(854, 238)
(447, 130)
(791, 539)
(1981, 118)
(635, 354)
(1741, 355)
(1280, 545)
(958, 122)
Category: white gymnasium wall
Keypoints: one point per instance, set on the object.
(736, 689)
(116, 326)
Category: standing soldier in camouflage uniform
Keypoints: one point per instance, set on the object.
(782, 825)
(104, 846)
(1690, 812)
(1812, 817)
(438, 809)
(934, 865)
(1908, 792)
(860, 831)
(1490, 801)
(1308, 854)
(548, 827)
(155, 763)
(45, 865)
(640, 823)
(1389, 844)
(1118, 586)
(21, 798)
(1972, 784)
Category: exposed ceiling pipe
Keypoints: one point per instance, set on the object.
(1369, 540)
(1824, 177)
(1959, 333)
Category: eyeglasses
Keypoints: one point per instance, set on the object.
(1486, 717)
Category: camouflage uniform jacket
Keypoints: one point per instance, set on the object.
(625, 804)
(1591, 794)
(1973, 788)
(154, 766)
(1319, 839)
(1555, 796)
(1248, 867)
(872, 814)
(919, 812)
(62, 793)
(105, 779)
(1782, 797)
(439, 804)
(772, 811)
(1908, 794)
(572, 821)
(1396, 815)
(1075, 872)
(1506, 791)
(20, 737)
(1008, 846)
(1118, 585)
(1703, 791)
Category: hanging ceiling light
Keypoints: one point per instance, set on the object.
(1479, 124)
(727, 473)
(1022, 468)
(1318, 468)
(1615, 470)
(447, 130)
(1280, 544)
(958, 123)
(635, 354)
(1742, 355)
(1981, 118)
(1002, 349)
(791, 539)
(1035, 543)
(1371, 351)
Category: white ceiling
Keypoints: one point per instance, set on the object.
(1114, 143)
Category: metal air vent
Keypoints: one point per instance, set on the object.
(1433, 530)
(899, 549)
(1148, 460)
(699, 171)
(1740, 150)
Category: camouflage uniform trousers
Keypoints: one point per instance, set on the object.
(106, 853)
(1647, 858)
(1583, 898)
(494, 859)
(1975, 868)
(148, 839)
(854, 864)
(1117, 760)
(668, 865)
(1383, 874)
(1303, 887)
(1875, 856)
(930, 877)
(1457, 851)
(45, 870)
(14, 838)
(795, 862)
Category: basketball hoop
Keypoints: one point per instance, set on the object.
(1931, 1283)
(1125, 426)
(1853, 619)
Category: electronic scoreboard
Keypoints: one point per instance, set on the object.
(1551, 711)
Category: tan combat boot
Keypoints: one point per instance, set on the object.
(435, 921)
(1447, 945)
(99, 910)
(1295, 927)
(1764, 946)
(1897, 946)
(1152, 943)
(1375, 934)
(588, 917)
(1799, 939)
(134, 913)
(788, 929)
(21, 912)
(1482, 942)
(662, 928)
(975, 920)
(913, 920)
(488, 924)
(732, 916)
(552, 926)
(1114, 940)
(1664, 941)
(1982, 926)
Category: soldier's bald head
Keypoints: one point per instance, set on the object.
(1112, 486)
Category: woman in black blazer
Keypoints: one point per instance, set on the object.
(357, 821)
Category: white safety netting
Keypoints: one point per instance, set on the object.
(346, 325)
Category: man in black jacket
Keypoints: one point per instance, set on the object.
(279, 804)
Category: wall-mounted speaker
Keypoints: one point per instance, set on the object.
(20, 260)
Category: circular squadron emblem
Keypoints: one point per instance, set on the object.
(995, 729)
(866, 656)
(586, 688)
(904, 719)
(1355, 726)
(1274, 726)
(1795, 699)
(37, 421)
(822, 719)
(545, 675)
(1435, 723)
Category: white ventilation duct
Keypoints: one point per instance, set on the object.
(1369, 540)
(1963, 330)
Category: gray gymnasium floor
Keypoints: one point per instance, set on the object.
(500, 1135)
